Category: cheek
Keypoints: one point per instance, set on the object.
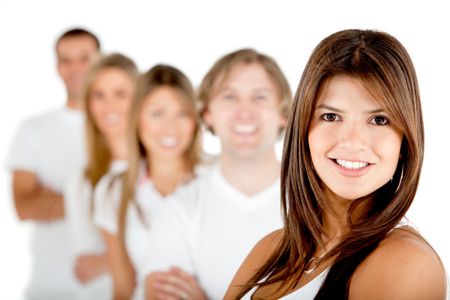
(86, 64)
(388, 147)
(143, 129)
(190, 125)
(273, 122)
(63, 68)
(95, 109)
(85, 69)
(314, 150)
(216, 121)
(188, 128)
(319, 140)
(126, 105)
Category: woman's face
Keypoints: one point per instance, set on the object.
(110, 100)
(245, 113)
(354, 146)
(166, 124)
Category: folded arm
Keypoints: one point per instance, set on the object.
(34, 201)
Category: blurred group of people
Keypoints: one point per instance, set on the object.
(126, 204)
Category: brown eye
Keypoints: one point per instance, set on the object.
(380, 121)
(330, 117)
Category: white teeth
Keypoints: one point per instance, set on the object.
(112, 118)
(244, 128)
(352, 164)
(169, 141)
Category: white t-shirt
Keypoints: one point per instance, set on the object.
(210, 228)
(85, 237)
(107, 199)
(52, 147)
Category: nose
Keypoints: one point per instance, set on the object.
(112, 103)
(170, 124)
(245, 109)
(353, 137)
(79, 67)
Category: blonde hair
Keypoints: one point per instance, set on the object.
(158, 76)
(221, 69)
(98, 153)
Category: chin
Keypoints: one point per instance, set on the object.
(350, 197)
(349, 194)
(245, 153)
(170, 154)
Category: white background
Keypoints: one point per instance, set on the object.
(191, 35)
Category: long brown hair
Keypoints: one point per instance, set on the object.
(159, 75)
(98, 153)
(384, 67)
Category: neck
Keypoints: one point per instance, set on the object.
(335, 226)
(74, 100)
(167, 174)
(118, 147)
(335, 221)
(250, 175)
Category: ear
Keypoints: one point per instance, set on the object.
(58, 67)
(283, 122)
(207, 118)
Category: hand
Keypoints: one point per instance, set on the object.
(89, 266)
(176, 284)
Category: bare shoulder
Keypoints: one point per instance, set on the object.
(403, 266)
(265, 247)
(255, 259)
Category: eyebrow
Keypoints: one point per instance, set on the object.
(258, 89)
(324, 106)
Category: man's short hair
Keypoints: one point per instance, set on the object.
(77, 32)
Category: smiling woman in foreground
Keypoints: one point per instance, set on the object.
(351, 165)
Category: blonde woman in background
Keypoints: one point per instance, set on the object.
(206, 235)
(108, 96)
(164, 141)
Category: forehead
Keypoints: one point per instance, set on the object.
(243, 74)
(112, 75)
(76, 45)
(345, 90)
(164, 96)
